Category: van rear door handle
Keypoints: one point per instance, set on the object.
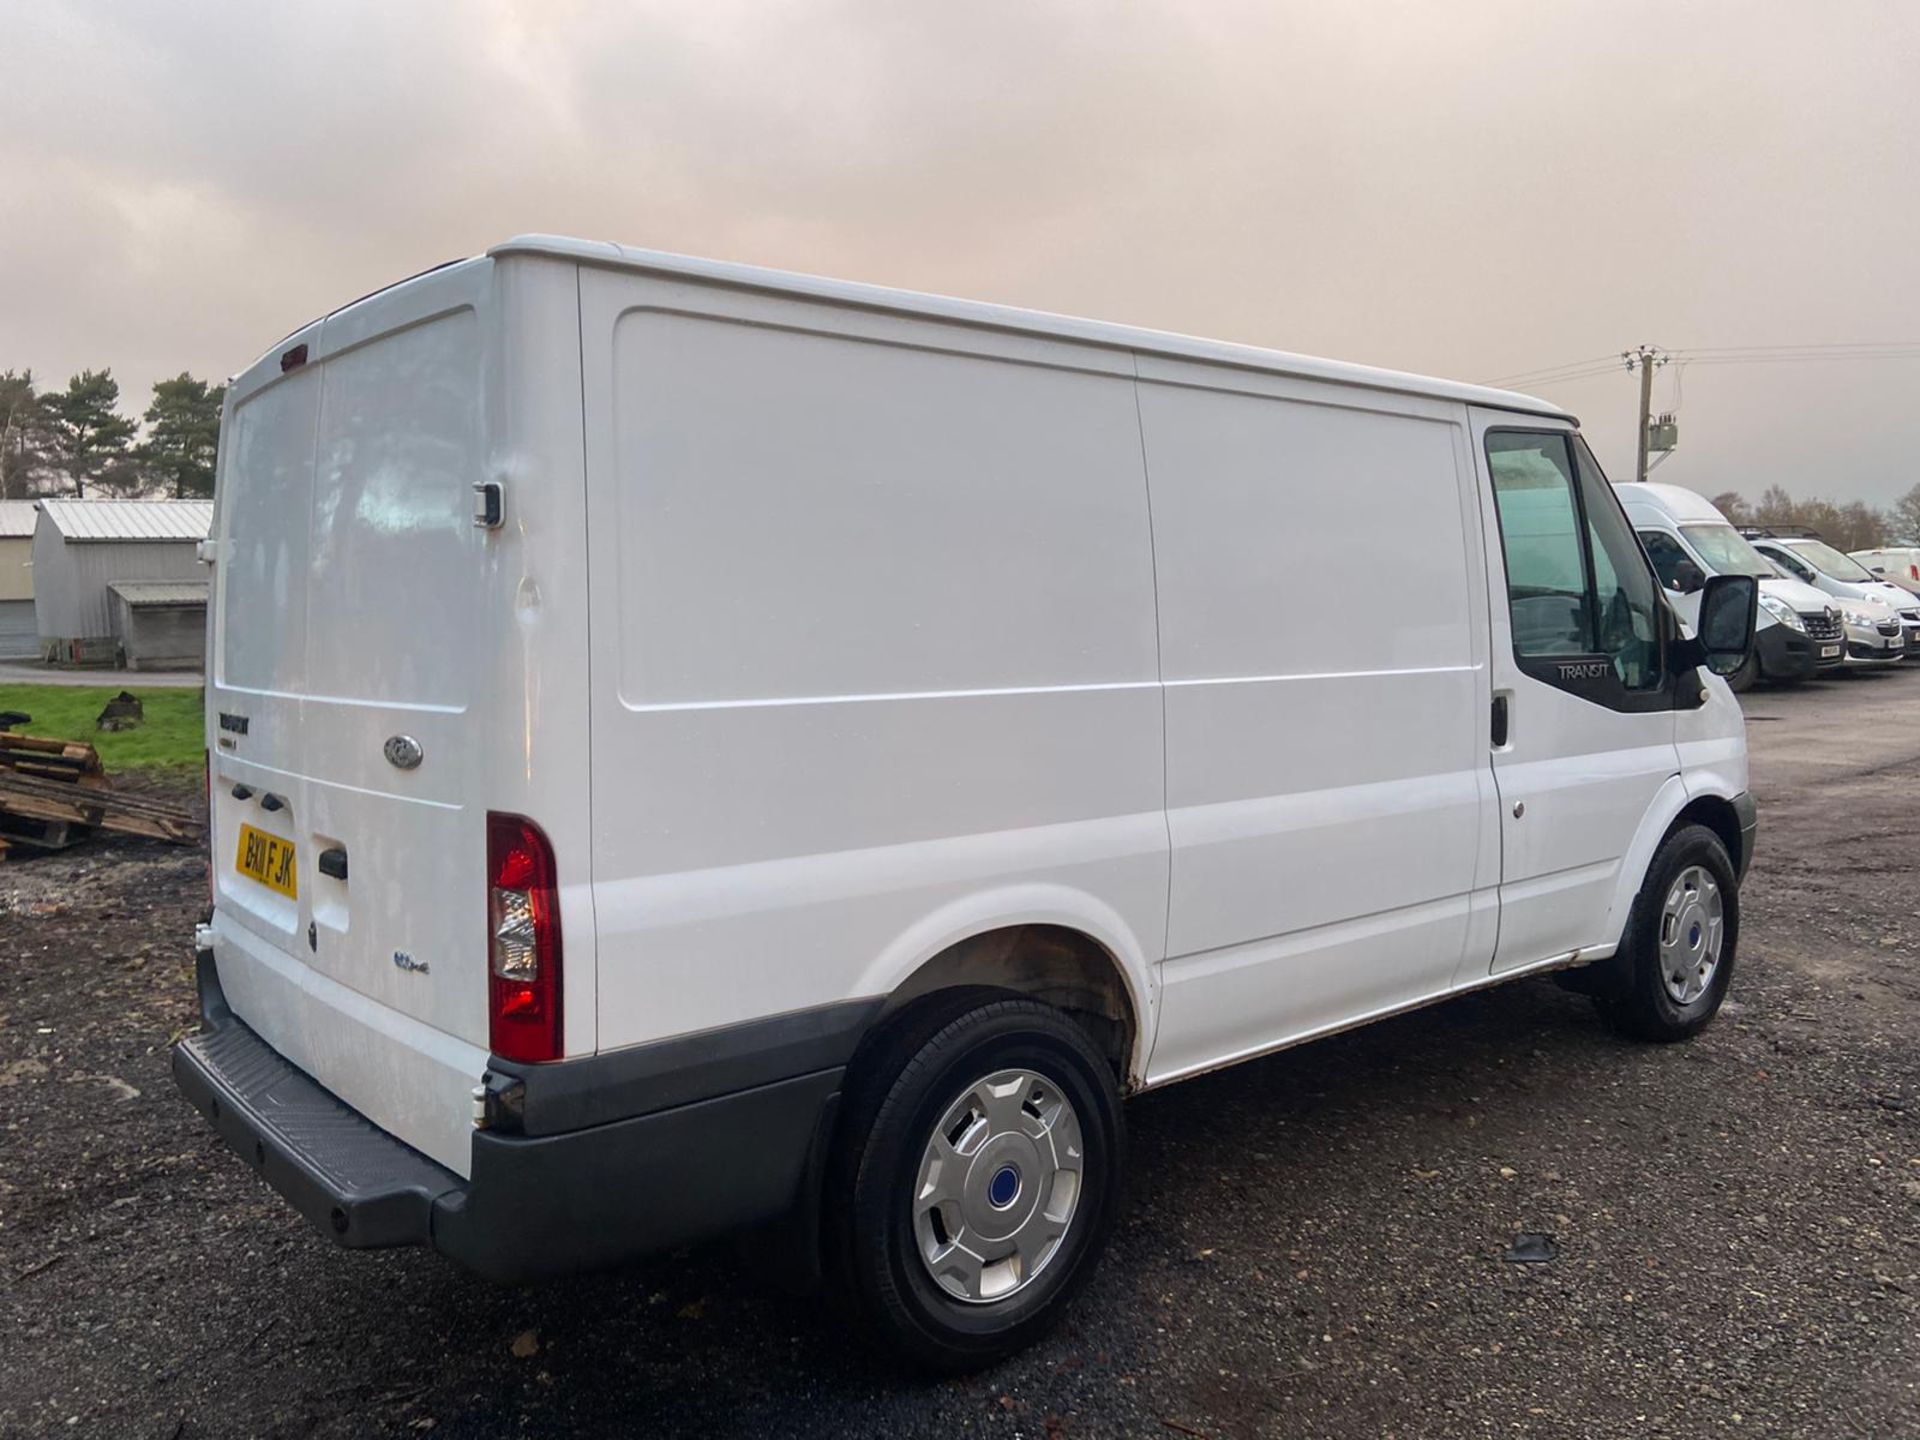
(1499, 727)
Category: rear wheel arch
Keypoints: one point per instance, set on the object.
(1058, 965)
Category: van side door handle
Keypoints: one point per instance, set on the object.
(1499, 726)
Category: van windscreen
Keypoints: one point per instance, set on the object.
(1829, 561)
(1725, 552)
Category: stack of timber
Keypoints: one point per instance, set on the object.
(54, 793)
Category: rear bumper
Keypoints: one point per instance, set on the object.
(534, 1205)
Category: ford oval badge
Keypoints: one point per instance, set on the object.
(403, 751)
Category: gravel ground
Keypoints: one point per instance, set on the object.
(1312, 1244)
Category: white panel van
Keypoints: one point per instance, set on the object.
(696, 749)
(1898, 565)
(1799, 631)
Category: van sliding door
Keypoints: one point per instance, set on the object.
(1327, 791)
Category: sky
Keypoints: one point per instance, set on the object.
(1475, 189)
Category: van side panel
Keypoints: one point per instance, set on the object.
(873, 650)
(1327, 781)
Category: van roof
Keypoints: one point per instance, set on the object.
(1007, 317)
(1676, 502)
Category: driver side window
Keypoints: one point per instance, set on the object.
(1667, 556)
(1577, 581)
(1787, 561)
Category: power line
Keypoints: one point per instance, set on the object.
(1574, 370)
(1597, 363)
(1838, 346)
(1803, 358)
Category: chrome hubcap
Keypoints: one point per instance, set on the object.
(998, 1185)
(1691, 927)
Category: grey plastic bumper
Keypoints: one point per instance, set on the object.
(534, 1205)
(348, 1177)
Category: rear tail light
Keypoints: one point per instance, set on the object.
(523, 936)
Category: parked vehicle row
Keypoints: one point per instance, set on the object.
(1883, 621)
(1820, 609)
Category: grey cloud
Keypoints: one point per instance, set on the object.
(1472, 189)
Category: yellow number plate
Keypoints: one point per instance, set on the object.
(268, 859)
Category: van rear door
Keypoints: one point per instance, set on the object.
(344, 664)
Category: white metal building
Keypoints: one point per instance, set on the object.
(19, 637)
(84, 549)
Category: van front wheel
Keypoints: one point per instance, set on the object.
(974, 1181)
(1678, 951)
(1743, 679)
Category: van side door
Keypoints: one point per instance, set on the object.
(1583, 725)
(1335, 850)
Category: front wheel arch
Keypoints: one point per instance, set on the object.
(1634, 996)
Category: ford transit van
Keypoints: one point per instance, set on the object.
(1799, 631)
(697, 749)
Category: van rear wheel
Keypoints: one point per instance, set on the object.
(1678, 950)
(974, 1180)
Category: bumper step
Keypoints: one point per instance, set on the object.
(346, 1175)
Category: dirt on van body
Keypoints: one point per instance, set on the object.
(1313, 1244)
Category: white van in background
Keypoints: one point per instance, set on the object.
(1799, 632)
(695, 748)
(1874, 635)
(1897, 565)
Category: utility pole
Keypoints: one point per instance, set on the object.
(1646, 359)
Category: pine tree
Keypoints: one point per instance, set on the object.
(24, 441)
(183, 434)
(92, 440)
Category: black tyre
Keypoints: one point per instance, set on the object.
(974, 1179)
(1677, 955)
(1743, 679)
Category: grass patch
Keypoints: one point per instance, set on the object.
(173, 737)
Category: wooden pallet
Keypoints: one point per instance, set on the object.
(71, 761)
(53, 793)
(50, 802)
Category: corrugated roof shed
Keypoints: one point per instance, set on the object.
(79, 521)
(16, 519)
(160, 592)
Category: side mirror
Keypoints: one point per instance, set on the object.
(1723, 638)
(1687, 577)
